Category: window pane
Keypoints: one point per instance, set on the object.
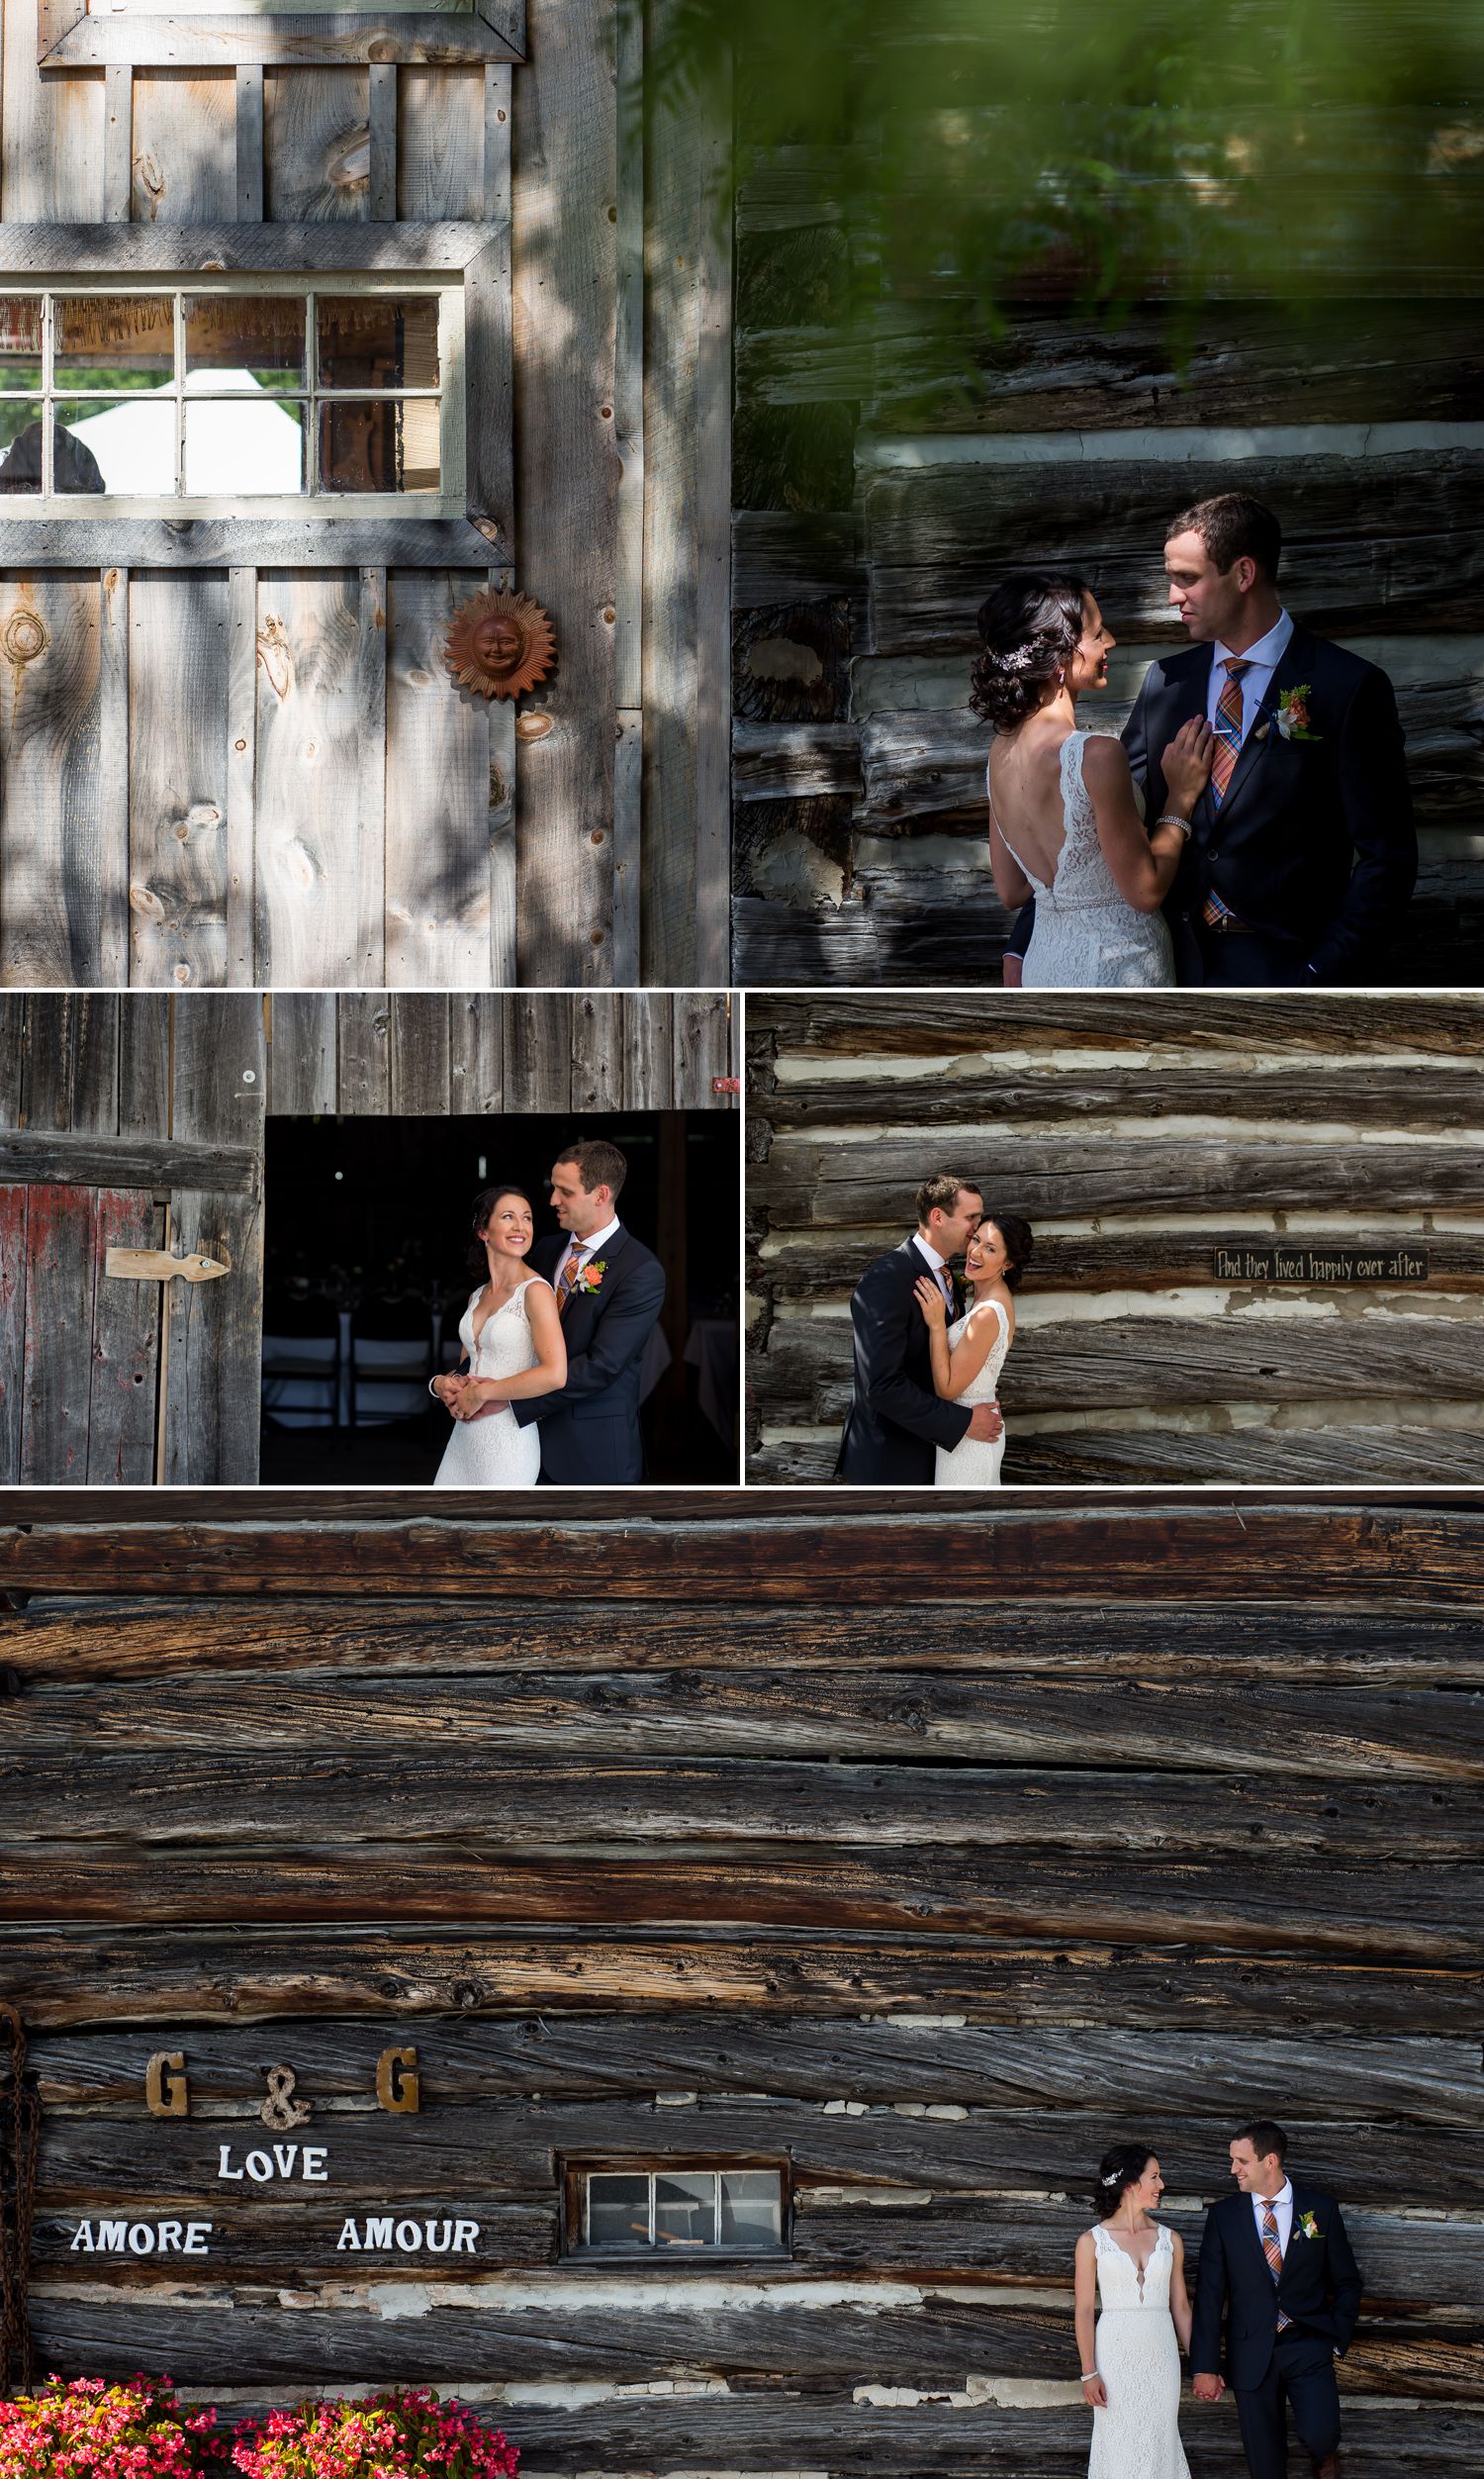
(253, 342)
(115, 341)
(245, 448)
(618, 2211)
(128, 446)
(684, 2209)
(752, 2208)
(20, 345)
(379, 342)
(378, 446)
(21, 440)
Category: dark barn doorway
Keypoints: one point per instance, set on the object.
(366, 1226)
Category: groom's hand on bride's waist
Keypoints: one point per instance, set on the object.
(986, 1423)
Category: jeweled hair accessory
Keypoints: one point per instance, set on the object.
(1023, 659)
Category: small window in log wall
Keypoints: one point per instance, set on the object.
(210, 398)
(676, 2209)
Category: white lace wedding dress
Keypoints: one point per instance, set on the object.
(970, 1464)
(1138, 2435)
(494, 1452)
(1085, 936)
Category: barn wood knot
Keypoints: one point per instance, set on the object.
(151, 182)
(274, 655)
(500, 644)
(26, 636)
(348, 162)
(280, 2111)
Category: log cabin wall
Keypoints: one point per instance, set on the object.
(922, 1855)
(138, 1119)
(232, 757)
(1136, 1154)
(875, 494)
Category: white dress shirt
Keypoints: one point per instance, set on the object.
(587, 1249)
(1282, 2204)
(1264, 657)
(939, 1268)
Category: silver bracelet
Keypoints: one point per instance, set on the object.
(1169, 820)
(433, 1387)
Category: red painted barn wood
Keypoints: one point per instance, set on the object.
(915, 1857)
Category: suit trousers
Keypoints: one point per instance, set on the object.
(1243, 959)
(1300, 2380)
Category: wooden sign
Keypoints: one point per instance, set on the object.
(1269, 1261)
(156, 1265)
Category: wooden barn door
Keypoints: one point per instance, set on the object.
(115, 1371)
(232, 752)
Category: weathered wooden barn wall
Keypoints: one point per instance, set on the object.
(923, 1853)
(874, 499)
(136, 1119)
(178, 810)
(1136, 1148)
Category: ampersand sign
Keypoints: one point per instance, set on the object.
(278, 2110)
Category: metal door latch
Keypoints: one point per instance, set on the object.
(153, 1264)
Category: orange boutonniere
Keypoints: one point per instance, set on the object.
(590, 1276)
(1293, 718)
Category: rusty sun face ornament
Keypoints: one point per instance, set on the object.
(500, 644)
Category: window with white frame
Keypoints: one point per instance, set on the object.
(676, 2209)
(234, 394)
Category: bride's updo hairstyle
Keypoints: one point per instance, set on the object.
(1031, 625)
(1020, 1246)
(484, 1206)
(1118, 2169)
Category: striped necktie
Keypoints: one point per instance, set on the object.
(567, 1279)
(1273, 2251)
(1228, 732)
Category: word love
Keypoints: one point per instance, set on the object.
(141, 2237)
(279, 2162)
(409, 2237)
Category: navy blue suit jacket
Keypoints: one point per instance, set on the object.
(1313, 845)
(895, 1420)
(1319, 2289)
(589, 1427)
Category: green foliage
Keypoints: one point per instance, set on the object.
(974, 151)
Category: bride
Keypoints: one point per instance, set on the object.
(512, 1334)
(968, 1355)
(1130, 2356)
(1066, 816)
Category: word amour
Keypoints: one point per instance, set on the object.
(409, 2237)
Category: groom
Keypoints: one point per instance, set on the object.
(1302, 855)
(1279, 2255)
(609, 1290)
(895, 1421)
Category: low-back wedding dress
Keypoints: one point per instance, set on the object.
(970, 1464)
(1138, 2435)
(1085, 936)
(494, 1452)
